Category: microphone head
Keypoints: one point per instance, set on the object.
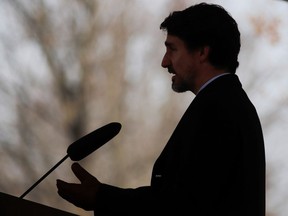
(92, 141)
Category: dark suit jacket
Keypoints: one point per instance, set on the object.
(213, 164)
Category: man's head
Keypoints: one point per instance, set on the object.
(207, 25)
(203, 41)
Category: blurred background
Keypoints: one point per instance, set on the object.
(68, 67)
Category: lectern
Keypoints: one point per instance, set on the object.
(15, 206)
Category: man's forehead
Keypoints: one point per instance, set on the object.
(173, 40)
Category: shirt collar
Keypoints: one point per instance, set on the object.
(211, 80)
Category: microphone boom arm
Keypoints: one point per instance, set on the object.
(44, 176)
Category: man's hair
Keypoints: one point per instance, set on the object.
(207, 25)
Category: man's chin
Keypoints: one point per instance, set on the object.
(178, 88)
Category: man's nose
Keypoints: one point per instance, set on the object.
(165, 61)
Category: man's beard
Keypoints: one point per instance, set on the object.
(179, 88)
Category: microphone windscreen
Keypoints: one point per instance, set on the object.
(92, 141)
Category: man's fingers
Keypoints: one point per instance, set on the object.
(83, 194)
(68, 191)
(67, 188)
(81, 173)
(76, 194)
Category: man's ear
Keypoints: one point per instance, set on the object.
(204, 53)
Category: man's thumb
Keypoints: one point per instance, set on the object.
(81, 173)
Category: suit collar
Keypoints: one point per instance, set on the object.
(221, 83)
(211, 80)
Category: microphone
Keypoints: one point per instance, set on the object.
(84, 146)
(92, 141)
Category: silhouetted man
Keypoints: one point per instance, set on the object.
(214, 162)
